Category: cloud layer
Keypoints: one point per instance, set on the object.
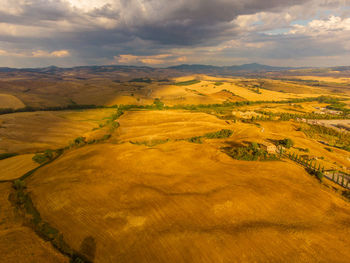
(159, 33)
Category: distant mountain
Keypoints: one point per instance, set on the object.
(258, 67)
(194, 67)
(245, 68)
(254, 67)
(118, 71)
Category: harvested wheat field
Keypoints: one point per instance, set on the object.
(181, 201)
(10, 101)
(19, 243)
(273, 131)
(205, 90)
(15, 167)
(175, 200)
(48, 130)
(162, 125)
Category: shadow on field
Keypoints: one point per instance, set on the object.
(88, 248)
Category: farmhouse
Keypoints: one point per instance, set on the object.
(269, 147)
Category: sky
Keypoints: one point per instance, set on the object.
(160, 33)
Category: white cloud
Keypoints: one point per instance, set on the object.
(88, 5)
(320, 27)
(36, 54)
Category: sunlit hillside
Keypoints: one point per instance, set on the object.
(196, 168)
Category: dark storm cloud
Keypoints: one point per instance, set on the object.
(194, 21)
(34, 12)
(185, 22)
(103, 29)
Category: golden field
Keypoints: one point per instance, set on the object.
(48, 130)
(19, 243)
(15, 167)
(162, 125)
(9, 101)
(17, 93)
(146, 193)
(180, 200)
(206, 92)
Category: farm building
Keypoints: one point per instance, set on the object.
(270, 148)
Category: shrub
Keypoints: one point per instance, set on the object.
(114, 126)
(79, 140)
(187, 83)
(92, 141)
(319, 175)
(19, 184)
(159, 104)
(197, 139)
(46, 156)
(346, 193)
(250, 153)
(329, 149)
(288, 143)
(150, 143)
(224, 133)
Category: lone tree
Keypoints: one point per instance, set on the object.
(158, 103)
(319, 175)
(288, 143)
(46, 156)
(79, 141)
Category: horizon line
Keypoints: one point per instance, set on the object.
(177, 65)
